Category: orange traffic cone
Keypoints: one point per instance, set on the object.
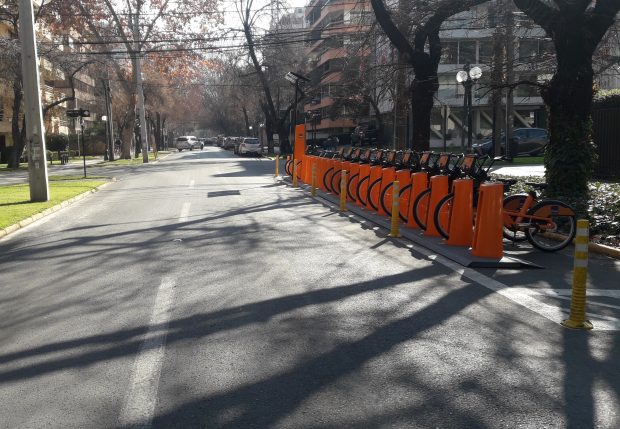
(487, 241)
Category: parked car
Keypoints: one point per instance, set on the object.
(229, 143)
(250, 145)
(529, 141)
(188, 142)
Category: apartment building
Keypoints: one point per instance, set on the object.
(333, 30)
(56, 61)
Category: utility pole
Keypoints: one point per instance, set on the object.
(138, 75)
(510, 56)
(35, 133)
(108, 112)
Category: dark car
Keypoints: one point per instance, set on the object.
(529, 141)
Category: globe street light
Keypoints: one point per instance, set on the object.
(467, 77)
(104, 118)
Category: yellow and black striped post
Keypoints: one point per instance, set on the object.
(577, 317)
(294, 174)
(395, 226)
(277, 166)
(314, 179)
(343, 191)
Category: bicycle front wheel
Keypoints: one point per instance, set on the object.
(443, 215)
(386, 192)
(420, 208)
(552, 225)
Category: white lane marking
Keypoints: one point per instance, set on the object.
(191, 183)
(139, 405)
(184, 212)
(526, 297)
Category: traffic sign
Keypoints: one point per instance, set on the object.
(78, 113)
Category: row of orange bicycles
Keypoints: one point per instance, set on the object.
(547, 224)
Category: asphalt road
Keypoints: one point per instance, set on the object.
(201, 292)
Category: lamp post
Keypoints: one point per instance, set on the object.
(104, 118)
(467, 77)
(297, 80)
(250, 129)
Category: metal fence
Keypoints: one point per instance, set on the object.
(607, 138)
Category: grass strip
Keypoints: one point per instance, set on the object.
(15, 204)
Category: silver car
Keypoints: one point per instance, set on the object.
(188, 142)
(250, 145)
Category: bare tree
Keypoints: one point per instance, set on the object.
(415, 34)
(576, 28)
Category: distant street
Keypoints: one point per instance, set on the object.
(201, 292)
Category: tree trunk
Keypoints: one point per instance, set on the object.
(570, 154)
(423, 90)
(16, 132)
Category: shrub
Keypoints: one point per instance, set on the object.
(56, 142)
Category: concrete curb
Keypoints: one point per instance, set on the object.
(25, 222)
(597, 248)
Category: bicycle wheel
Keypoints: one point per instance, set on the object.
(287, 167)
(420, 208)
(358, 193)
(510, 231)
(443, 215)
(404, 207)
(349, 193)
(326, 180)
(336, 188)
(553, 225)
(384, 191)
(370, 201)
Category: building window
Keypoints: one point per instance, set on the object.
(528, 50)
(449, 52)
(485, 52)
(467, 52)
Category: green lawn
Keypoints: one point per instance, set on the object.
(132, 161)
(15, 202)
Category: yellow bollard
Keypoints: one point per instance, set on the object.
(343, 191)
(294, 174)
(314, 179)
(395, 226)
(277, 166)
(577, 317)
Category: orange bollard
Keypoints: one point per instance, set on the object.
(419, 183)
(404, 179)
(373, 195)
(487, 241)
(323, 162)
(460, 231)
(363, 184)
(354, 169)
(439, 189)
(388, 176)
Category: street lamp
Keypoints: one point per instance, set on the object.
(297, 80)
(467, 77)
(250, 129)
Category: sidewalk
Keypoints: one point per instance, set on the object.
(21, 176)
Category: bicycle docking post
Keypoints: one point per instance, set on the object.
(395, 225)
(277, 166)
(487, 241)
(577, 317)
(419, 183)
(439, 189)
(314, 179)
(343, 191)
(294, 174)
(460, 231)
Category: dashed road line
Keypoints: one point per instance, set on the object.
(184, 212)
(139, 405)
